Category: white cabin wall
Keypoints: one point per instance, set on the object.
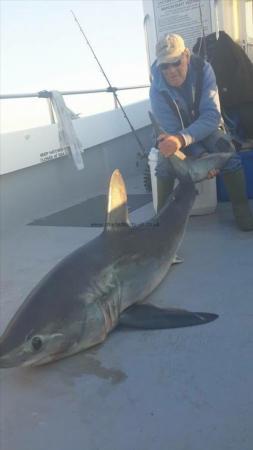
(228, 13)
(235, 18)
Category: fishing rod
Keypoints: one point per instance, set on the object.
(203, 39)
(112, 89)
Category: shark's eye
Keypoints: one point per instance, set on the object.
(36, 343)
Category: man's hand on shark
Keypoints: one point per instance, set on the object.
(169, 144)
(213, 173)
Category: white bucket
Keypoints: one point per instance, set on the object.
(152, 161)
(206, 200)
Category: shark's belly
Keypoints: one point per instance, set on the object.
(141, 277)
(126, 281)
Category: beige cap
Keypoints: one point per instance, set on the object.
(169, 49)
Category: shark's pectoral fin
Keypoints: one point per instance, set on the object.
(177, 260)
(147, 316)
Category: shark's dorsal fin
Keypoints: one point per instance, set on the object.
(117, 212)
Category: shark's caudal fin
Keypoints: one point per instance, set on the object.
(149, 317)
(117, 212)
(198, 169)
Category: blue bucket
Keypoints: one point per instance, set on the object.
(247, 163)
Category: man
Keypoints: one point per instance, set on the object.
(185, 101)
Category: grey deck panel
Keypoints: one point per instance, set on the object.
(90, 213)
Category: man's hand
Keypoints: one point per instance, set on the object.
(212, 173)
(169, 144)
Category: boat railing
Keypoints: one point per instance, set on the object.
(110, 90)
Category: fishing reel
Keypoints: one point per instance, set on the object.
(147, 177)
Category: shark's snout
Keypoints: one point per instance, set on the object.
(31, 352)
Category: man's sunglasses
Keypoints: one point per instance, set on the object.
(166, 66)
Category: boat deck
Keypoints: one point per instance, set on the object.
(182, 389)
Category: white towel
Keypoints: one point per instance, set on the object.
(67, 135)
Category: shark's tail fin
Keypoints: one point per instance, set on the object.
(198, 169)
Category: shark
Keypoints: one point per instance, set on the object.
(106, 282)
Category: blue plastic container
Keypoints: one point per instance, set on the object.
(247, 162)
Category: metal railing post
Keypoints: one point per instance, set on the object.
(115, 102)
(145, 24)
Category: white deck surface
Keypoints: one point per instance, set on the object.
(184, 389)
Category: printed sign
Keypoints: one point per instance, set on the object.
(53, 154)
(183, 17)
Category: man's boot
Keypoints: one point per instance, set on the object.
(236, 187)
(164, 189)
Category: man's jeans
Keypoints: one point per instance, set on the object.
(216, 142)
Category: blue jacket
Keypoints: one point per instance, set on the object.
(209, 117)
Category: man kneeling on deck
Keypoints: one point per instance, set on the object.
(185, 101)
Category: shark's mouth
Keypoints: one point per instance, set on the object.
(46, 359)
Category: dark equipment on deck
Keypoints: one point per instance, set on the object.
(234, 75)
